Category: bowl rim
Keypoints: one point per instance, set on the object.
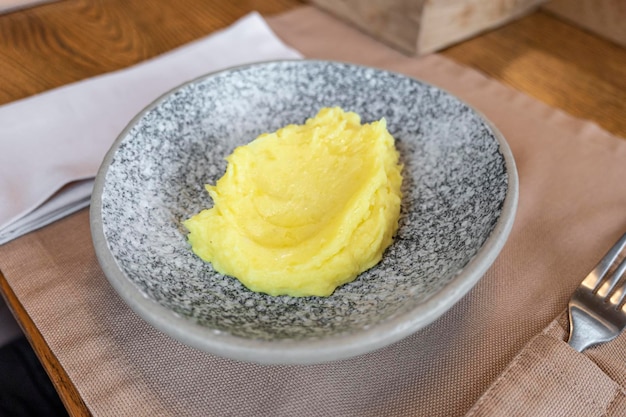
(304, 351)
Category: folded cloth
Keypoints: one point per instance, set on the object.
(53, 143)
(12, 5)
(548, 378)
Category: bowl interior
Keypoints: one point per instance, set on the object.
(455, 184)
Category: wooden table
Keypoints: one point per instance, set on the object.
(58, 43)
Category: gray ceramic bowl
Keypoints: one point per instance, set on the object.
(460, 195)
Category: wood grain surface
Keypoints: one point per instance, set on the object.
(557, 63)
(603, 17)
(58, 43)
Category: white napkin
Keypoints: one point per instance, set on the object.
(7, 6)
(52, 144)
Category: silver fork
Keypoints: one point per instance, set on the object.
(596, 310)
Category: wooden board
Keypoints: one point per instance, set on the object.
(422, 26)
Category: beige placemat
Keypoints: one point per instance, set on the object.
(572, 207)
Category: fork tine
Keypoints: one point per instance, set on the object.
(607, 287)
(618, 297)
(595, 277)
(595, 318)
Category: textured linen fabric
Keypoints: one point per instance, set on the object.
(501, 335)
(550, 379)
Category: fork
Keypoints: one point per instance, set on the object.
(596, 310)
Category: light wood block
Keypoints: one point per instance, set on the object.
(423, 26)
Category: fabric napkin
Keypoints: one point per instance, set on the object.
(571, 209)
(11, 5)
(53, 143)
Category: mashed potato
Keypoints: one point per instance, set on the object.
(305, 209)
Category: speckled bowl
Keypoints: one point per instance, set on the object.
(460, 195)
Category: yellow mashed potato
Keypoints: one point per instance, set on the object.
(305, 209)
